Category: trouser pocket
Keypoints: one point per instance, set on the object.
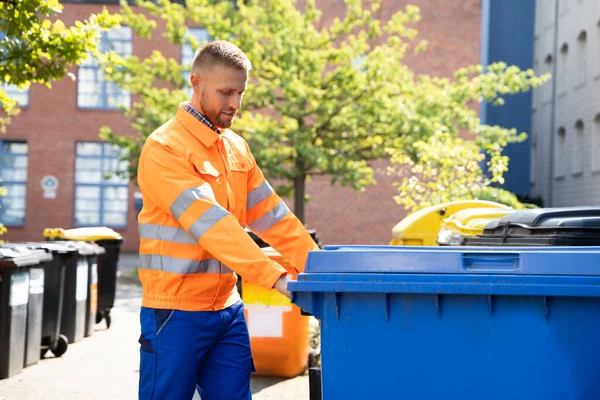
(147, 369)
(147, 343)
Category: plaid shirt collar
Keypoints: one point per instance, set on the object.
(187, 107)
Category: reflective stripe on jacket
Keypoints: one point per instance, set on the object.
(199, 189)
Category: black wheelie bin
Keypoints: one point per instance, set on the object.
(35, 304)
(75, 302)
(14, 297)
(111, 241)
(86, 290)
(92, 303)
(63, 258)
(107, 277)
(568, 226)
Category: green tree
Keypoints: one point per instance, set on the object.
(37, 47)
(443, 165)
(323, 100)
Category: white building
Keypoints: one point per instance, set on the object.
(565, 131)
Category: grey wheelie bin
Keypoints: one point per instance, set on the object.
(14, 296)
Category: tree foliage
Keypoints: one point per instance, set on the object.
(324, 99)
(37, 47)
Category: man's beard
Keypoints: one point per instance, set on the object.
(214, 116)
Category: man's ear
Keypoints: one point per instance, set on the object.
(196, 81)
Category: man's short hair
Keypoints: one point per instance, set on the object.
(220, 53)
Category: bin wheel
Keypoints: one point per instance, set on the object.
(61, 346)
(98, 317)
(43, 352)
(108, 320)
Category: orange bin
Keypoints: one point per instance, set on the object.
(279, 334)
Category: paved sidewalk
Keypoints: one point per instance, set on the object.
(105, 365)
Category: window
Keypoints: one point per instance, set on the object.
(596, 145)
(21, 97)
(560, 153)
(563, 70)
(188, 52)
(93, 91)
(582, 57)
(101, 197)
(578, 148)
(14, 181)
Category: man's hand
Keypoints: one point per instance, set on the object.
(281, 285)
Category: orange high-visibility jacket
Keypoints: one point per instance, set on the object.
(199, 189)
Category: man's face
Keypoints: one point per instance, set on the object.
(218, 94)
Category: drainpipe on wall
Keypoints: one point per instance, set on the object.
(553, 108)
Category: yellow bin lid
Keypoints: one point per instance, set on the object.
(422, 227)
(84, 234)
(471, 222)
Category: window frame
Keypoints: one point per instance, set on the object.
(12, 90)
(4, 182)
(185, 63)
(93, 66)
(102, 185)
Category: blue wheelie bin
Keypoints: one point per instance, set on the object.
(455, 322)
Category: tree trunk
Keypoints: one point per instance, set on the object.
(299, 188)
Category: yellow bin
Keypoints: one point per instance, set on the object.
(279, 334)
(421, 228)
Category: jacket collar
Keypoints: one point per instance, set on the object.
(206, 135)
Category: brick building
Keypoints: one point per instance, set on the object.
(56, 135)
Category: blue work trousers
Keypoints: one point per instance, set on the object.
(182, 350)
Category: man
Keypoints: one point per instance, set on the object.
(200, 185)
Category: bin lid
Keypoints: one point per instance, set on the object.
(87, 234)
(546, 217)
(82, 248)
(571, 222)
(472, 221)
(455, 260)
(55, 247)
(41, 254)
(11, 258)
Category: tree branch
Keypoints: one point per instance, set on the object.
(15, 56)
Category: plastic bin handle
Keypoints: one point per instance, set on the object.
(491, 261)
